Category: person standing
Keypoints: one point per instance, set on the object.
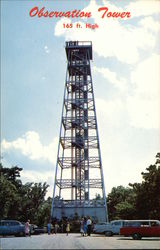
(56, 226)
(27, 228)
(89, 226)
(62, 227)
(85, 226)
(49, 227)
(81, 226)
(67, 228)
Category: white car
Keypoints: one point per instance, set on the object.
(100, 227)
(109, 229)
(115, 226)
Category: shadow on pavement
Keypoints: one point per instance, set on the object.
(143, 239)
(91, 236)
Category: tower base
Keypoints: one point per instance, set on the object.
(71, 209)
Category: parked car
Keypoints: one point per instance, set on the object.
(141, 228)
(115, 227)
(40, 230)
(100, 227)
(109, 229)
(12, 227)
(33, 227)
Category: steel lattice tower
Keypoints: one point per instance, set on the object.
(79, 173)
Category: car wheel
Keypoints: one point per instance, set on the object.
(108, 233)
(136, 236)
(21, 234)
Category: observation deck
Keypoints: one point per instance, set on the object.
(79, 46)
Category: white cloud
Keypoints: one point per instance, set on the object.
(114, 38)
(110, 112)
(144, 113)
(37, 176)
(112, 77)
(120, 166)
(150, 24)
(143, 105)
(30, 145)
(146, 77)
(144, 8)
(118, 151)
(139, 109)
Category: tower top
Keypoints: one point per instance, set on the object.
(79, 46)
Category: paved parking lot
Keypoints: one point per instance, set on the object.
(76, 241)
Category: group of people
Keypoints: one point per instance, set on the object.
(86, 226)
(56, 228)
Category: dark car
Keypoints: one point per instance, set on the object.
(40, 230)
(12, 227)
(32, 228)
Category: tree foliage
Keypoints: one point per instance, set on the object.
(121, 203)
(139, 200)
(22, 201)
(148, 192)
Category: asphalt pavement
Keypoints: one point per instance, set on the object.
(76, 241)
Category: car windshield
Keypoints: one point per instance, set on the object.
(155, 223)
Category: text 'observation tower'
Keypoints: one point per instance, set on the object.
(79, 173)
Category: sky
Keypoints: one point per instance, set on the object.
(126, 81)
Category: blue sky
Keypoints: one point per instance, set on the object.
(126, 80)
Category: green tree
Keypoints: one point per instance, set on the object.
(32, 199)
(11, 174)
(22, 201)
(148, 192)
(8, 197)
(44, 212)
(121, 203)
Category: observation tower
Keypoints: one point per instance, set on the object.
(79, 174)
